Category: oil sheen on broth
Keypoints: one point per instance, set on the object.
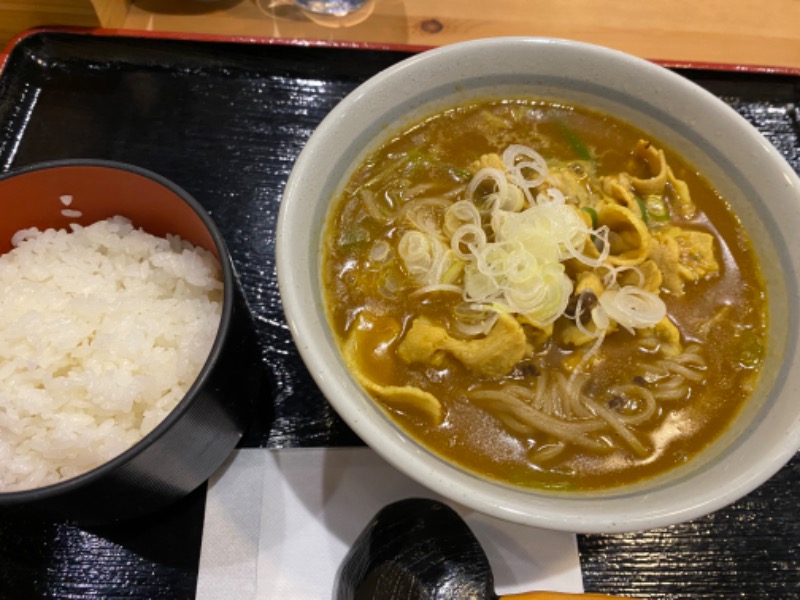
(544, 295)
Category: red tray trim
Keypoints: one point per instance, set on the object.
(204, 37)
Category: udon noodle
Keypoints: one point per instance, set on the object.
(544, 295)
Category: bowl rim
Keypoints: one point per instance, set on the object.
(83, 480)
(589, 514)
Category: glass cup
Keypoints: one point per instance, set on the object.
(336, 13)
(334, 8)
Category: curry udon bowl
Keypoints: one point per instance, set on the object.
(763, 195)
(106, 377)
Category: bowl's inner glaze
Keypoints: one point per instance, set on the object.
(33, 199)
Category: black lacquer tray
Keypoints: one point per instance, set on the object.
(225, 120)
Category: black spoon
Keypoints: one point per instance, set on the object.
(419, 549)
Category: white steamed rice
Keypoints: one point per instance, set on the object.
(102, 331)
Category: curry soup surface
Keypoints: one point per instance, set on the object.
(645, 345)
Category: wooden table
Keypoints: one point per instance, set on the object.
(739, 32)
(712, 31)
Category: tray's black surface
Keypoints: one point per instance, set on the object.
(226, 121)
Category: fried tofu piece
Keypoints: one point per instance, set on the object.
(573, 336)
(618, 189)
(365, 337)
(575, 185)
(494, 355)
(647, 276)
(628, 236)
(492, 161)
(687, 253)
(662, 178)
(665, 253)
(589, 281)
(409, 398)
(697, 259)
(667, 335)
(623, 188)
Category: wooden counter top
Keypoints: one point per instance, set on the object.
(732, 32)
(738, 32)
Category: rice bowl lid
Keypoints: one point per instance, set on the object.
(735, 157)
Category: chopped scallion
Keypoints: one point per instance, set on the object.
(657, 208)
(592, 213)
(574, 141)
(653, 209)
(643, 210)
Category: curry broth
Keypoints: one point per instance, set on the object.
(450, 142)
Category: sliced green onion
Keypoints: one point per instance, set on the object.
(596, 239)
(643, 210)
(592, 213)
(657, 208)
(574, 141)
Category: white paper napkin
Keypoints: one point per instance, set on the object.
(278, 524)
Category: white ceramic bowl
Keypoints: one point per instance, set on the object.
(760, 186)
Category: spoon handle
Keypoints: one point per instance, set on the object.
(560, 596)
